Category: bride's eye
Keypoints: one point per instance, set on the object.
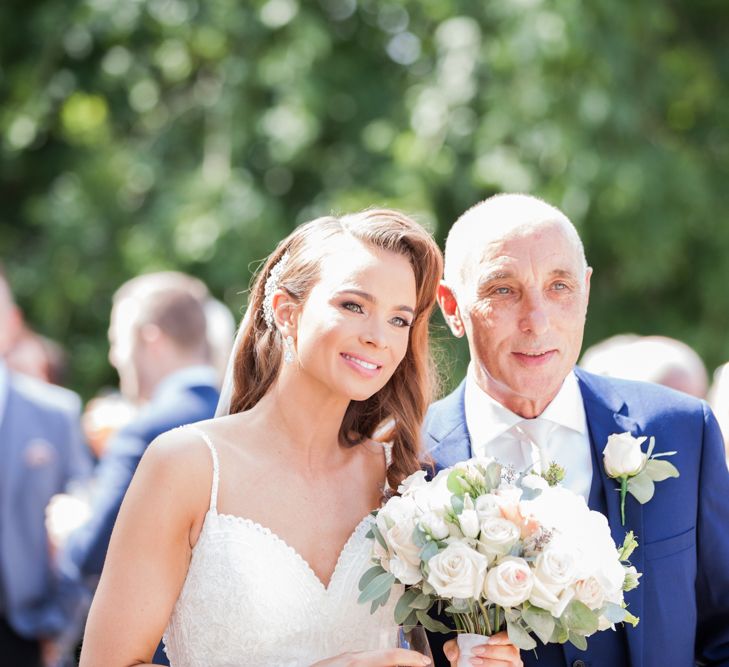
(352, 306)
(400, 321)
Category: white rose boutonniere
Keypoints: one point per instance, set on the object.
(636, 470)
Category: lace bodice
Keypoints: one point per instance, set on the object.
(251, 599)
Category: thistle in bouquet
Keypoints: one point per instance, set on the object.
(492, 549)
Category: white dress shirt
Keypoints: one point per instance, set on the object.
(498, 432)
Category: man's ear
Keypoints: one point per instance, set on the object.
(285, 313)
(450, 309)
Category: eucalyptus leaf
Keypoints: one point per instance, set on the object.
(520, 637)
(377, 587)
(530, 493)
(540, 621)
(420, 537)
(560, 634)
(579, 641)
(579, 618)
(493, 475)
(423, 602)
(659, 470)
(430, 623)
(641, 487)
(380, 601)
(457, 504)
(369, 575)
(454, 483)
(402, 608)
(378, 536)
(410, 622)
(428, 551)
(613, 612)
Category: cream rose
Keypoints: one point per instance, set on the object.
(590, 592)
(622, 455)
(497, 537)
(487, 506)
(406, 572)
(458, 571)
(509, 583)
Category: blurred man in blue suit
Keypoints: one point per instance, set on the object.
(41, 451)
(517, 286)
(160, 349)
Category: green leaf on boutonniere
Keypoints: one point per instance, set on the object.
(457, 504)
(560, 634)
(520, 637)
(641, 487)
(660, 470)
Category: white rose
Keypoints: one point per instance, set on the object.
(457, 572)
(405, 572)
(509, 583)
(413, 483)
(434, 524)
(556, 567)
(590, 592)
(622, 455)
(545, 598)
(400, 539)
(497, 537)
(487, 505)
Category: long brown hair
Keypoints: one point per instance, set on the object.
(396, 411)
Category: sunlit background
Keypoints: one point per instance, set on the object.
(146, 134)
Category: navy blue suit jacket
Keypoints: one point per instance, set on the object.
(683, 597)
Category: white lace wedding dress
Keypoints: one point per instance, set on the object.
(251, 599)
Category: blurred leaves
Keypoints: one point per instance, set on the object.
(153, 134)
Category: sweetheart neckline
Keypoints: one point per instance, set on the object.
(326, 588)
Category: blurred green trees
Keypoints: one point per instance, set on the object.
(192, 134)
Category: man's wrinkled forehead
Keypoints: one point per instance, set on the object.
(490, 248)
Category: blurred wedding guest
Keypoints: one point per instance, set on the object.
(656, 359)
(719, 401)
(158, 344)
(37, 356)
(103, 416)
(220, 332)
(41, 450)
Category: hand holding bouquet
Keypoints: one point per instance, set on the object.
(495, 550)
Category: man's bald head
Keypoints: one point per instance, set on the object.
(493, 219)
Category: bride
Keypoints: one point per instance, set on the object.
(243, 538)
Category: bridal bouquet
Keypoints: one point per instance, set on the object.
(494, 550)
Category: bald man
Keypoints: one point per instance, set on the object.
(517, 285)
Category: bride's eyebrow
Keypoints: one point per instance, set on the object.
(371, 299)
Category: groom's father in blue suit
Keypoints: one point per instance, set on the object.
(41, 451)
(159, 347)
(517, 286)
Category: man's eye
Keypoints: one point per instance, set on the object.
(502, 290)
(559, 286)
(351, 305)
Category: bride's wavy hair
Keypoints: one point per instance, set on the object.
(396, 412)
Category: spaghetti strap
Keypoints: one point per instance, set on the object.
(216, 467)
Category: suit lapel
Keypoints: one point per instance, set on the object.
(605, 412)
(447, 430)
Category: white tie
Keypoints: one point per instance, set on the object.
(534, 436)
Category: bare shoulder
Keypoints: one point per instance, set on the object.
(179, 460)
